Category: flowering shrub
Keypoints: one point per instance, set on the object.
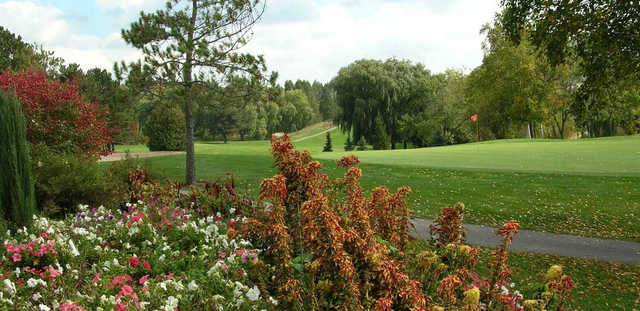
(159, 254)
(328, 253)
(57, 115)
(447, 272)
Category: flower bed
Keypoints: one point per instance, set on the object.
(150, 257)
(308, 243)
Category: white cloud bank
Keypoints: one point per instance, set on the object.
(300, 39)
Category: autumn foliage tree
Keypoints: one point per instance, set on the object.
(57, 115)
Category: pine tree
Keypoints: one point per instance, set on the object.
(348, 145)
(327, 144)
(362, 144)
(17, 198)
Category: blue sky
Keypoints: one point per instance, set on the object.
(299, 38)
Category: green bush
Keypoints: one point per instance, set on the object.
(118, 174)
(62, 181)
(348, 145)
(327, 144)
(165, 128)
(362, 144)
(17, 203)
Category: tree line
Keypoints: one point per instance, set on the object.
(517, 91)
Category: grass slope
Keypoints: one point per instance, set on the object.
(586, 187)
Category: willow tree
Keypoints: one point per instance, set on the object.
(191, 42)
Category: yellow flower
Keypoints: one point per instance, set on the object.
(547, 296)
(437, 308)
(464, 249)
(426, 259)
(554, 273)
(451, 248)
(472, 297)
(324, 285)
(533, 305)
(442, 267)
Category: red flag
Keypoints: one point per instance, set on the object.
(474, 117)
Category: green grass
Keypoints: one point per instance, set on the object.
(586, 187)
(602, 156)
(599, 285)
(131, 148)
(311, 130)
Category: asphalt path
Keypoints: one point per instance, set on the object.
(546, 243)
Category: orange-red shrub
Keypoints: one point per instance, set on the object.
(57, 115)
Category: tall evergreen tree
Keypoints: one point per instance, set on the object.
(17, 199)
(327, 144)
(190, 42)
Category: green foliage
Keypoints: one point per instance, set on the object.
(165, 128)
(64, 180)
(348, 145)
(327, 144)
(604, 35)
(17, 201)
(362, 144)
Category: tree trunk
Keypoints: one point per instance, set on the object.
(190, 173)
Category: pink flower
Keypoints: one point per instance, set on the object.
(134, 261)
(52, 272)
(143, 279)
(126, 290)
(121, 307)
(96, 278)
(16, 257)
(222, 255)
(146, 265)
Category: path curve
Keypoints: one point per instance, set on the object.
(615, 251)
(314, 135)
(118, 156)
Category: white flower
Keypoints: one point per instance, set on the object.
(74, 250)
(31, 282)
(192, 286)
(36, 296)
(80, 231)
(273, 301)
(253, 293)
(43, 307)
(163, 285)
(232, 210)
(172, 304)
(9, 287)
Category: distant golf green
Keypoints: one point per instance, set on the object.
(586, 187)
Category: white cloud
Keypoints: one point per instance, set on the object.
(300, 39)
(126, 5)
(46, 25)
(440, 36)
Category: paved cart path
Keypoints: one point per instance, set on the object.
(314, 135)
(117, 156)
(547, 243)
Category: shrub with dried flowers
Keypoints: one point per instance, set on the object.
(328, 253)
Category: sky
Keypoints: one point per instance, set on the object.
(300, 39)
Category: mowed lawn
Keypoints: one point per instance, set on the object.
(589, 187)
